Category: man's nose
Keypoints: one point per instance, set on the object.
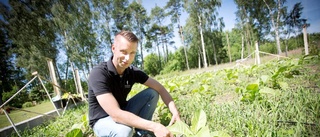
(127, 56)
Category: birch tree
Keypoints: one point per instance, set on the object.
(276, 9)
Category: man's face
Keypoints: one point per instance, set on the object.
(123, 52)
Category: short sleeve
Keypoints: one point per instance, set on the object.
(98, 81)
(140, 76)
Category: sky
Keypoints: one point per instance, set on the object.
(228, 8)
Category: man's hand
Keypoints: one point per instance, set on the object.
(175, 117)
(161, 131)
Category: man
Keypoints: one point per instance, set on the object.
(110, 114)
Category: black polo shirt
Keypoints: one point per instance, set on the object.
(105, 79)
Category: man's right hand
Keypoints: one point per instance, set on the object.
(161, 131)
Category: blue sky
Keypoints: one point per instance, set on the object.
(228, 8)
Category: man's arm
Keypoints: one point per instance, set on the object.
(111, 106)
(166, 97)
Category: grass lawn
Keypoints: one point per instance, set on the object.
(19, 115)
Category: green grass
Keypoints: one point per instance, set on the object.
(19, 115)
(283, 104)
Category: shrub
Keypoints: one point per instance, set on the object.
(27, 104)
(18, 100)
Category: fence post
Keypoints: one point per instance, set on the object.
(53, 78)
(257, 53)
(305, 39)
(79, 84)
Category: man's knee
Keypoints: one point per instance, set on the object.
(153, 94)
(106, 127)
(118, 131)
(124, 131)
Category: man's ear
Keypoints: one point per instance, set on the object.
(112, 47)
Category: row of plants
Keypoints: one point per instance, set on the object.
(279, 98)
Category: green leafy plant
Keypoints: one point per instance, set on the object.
(79, 129)
(250, 93)
(198, 127)
(75, 133)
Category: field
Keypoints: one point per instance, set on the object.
(276, 98)
(19, 115)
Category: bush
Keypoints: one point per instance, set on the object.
(18, 100)
(172, 65)
(152, 65)
(27, 104)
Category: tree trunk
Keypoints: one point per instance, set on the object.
(67, 72)
(167, 51)
(305, 39)
(242, 46)
(163, 50)
(199, 60)
(202, 44)
(274, 24)
(203, 49)
(158, 53)
(248, 41)
(141, 50)
(184, 47)
(286, 47)
(214, 53)
(229, 50)
(278, 41)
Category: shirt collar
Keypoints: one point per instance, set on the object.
(113, 69)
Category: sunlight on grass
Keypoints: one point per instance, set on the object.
(18, 115)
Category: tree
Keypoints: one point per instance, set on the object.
(229, 49)
(294, 21)
(102, 21)
(30, 30)
(74, 28)
(120, 15)
(202, 19)
(214, 26)
(138, 24)
(175, 8)
(6, 65)
(153, 37)
(157, 16)
(192, 37)
(252, 19)
(205, 64)
(276, 11)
